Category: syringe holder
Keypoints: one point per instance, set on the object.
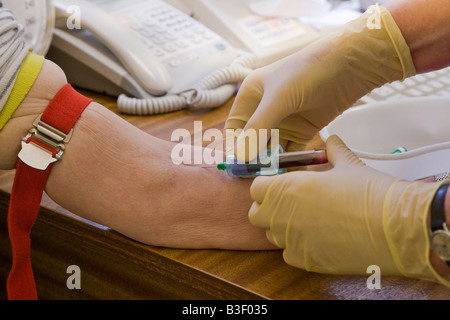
(266, 164)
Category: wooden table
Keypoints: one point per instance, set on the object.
(115, 267)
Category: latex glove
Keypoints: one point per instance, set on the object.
(302, 93)
(343, 220)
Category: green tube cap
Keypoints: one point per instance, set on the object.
(221, 166)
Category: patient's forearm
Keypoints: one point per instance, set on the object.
(119, 176)
(125, 179)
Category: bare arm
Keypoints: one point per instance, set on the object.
(124, 178)
(425, 25)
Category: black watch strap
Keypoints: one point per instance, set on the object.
(437, 208)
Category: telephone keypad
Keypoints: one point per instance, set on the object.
(167, 31)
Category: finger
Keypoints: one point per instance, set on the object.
(231, 136)
(293, 146)
(245, 103)
(298, 131)
(260, 217)
(283, 143)
(274, 239)
(339, 155)
(259, 129)
(256, 217)
(265, 211)
(260, 186)
(296, 257)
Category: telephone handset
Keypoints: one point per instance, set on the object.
(136, 58)
(142, 48)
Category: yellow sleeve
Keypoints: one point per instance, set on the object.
(26, 76)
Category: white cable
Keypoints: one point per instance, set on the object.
(212, 91)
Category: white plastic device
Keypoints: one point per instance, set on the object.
(432, 84)
(373, 131)
(269, 38)
(37, 17)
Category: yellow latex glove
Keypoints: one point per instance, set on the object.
(346, 219)
(302, 93)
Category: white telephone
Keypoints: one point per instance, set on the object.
(267, 36)
(122, 41)
(155, 53)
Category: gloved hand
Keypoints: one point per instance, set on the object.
(302, 93)
(343, 220)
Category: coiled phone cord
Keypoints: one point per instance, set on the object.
(212, 91)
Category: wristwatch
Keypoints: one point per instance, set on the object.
(440, 234)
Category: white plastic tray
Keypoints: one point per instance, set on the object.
(374, 131)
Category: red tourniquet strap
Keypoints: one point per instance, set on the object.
(65, 109)
(23, 210)
(62, 113)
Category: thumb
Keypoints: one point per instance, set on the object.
(258, 131)
(339, 155)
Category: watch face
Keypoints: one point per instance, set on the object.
(440, 244)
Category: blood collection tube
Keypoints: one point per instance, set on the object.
(272, 163)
